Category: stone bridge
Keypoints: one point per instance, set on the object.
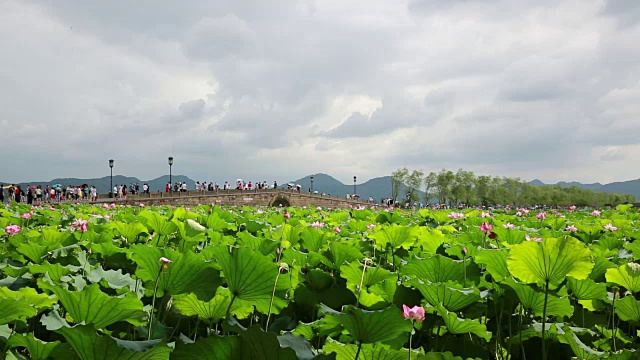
(271, 197)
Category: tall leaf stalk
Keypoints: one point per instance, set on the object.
(544, 319)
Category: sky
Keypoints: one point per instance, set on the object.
(280, 89)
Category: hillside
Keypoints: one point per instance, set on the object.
(623, 187)
(103, 183)
(377, 188)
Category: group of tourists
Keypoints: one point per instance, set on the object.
(38, 195)
(214, 186)
(120, 191)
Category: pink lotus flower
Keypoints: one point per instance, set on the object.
(464, 250)
(525, 211)
(338, 230)
(541, 215)
(28, 215)
(141, 205)
(486, 228)
(317, 224)
(51, 208)
(595, 213)
(519, 213)
(79, 224)
(163, 263)
(529, 238)
(319, 208)
(415, 313)
(112, 206)
(610, 227)
(485, 214)
(287, 215)
(455, 215)
(371, 226)
(572, 228)
(259, 212)
(188, 208)
(508, 226)
(106, 206)
(12, 229)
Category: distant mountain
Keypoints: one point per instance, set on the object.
(624, 187)
(377, 188)
(103, 184)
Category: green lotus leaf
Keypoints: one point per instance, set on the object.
(586, 289)
(286, 232)
(209, 348)
(450, 295)
(92, 306)
(627, 276)
(439, 356)
(313, 240)
(158, 223)
(581, 351)
(55, 271)
(370, 327)
(495, 261)
(210, 311)
(37, 349)
(260, 345)
(189, 272)
(437, 269)
(52, 236)
(114, 279)
(264, 246)
(456, 325)
(340, 254)
(430, 239)
(250, 277)
(368, 351)
(216, 223)
(550, 261)
(600, 268)
(35, 252)
(509, 236)
(372, 275)
(533, 300)
(628, 308)
(88, 345)
(130, 231)
(22, 304)
(395, 236)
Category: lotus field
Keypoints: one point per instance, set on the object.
(121, 282)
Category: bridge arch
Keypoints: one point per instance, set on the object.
(280, 200)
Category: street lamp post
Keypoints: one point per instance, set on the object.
(354, 185)
(312, 184)
(111, 194)
(170, 182)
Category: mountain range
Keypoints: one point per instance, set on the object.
(622, 187)
(377, 188)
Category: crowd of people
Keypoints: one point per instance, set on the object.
(214, 186)
(121, 191)
(56, 193)
(38, 195)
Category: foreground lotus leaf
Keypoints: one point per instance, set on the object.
(550, 261)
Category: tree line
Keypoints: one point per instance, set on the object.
(464, 187)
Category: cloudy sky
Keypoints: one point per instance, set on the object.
(278, 89)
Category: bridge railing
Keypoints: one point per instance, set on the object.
(196, 193)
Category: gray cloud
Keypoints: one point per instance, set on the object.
(278, 89)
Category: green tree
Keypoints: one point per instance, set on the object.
(398, 178)
(413, 182)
